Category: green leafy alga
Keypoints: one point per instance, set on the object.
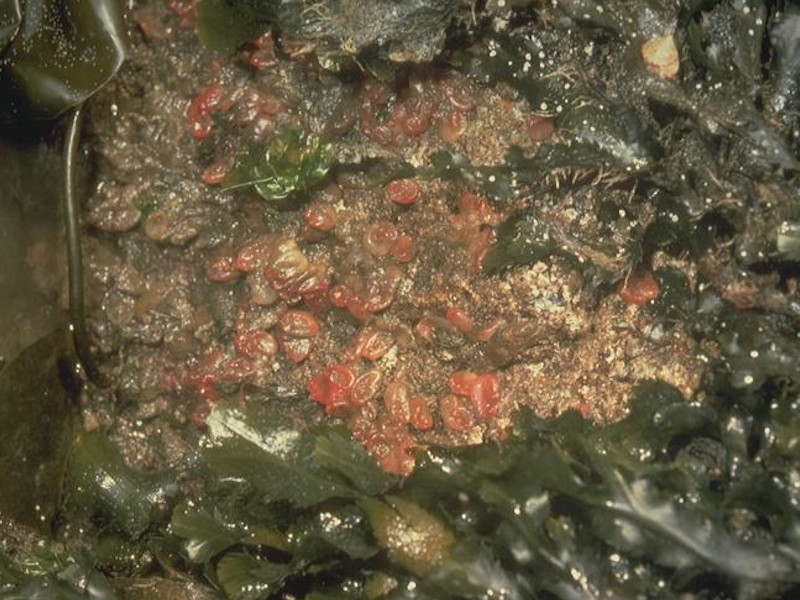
(292, 163)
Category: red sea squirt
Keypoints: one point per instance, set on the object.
(639, 288)
(297, 331)
(461, 382)
(404, 249)
(216, 172)
(321, 217)
(379, 238)
(366, 387)
(256, 344)
(396, 398)
(198, 115)
(451, 126)
(420, 413)
(186, 10)
(391, 444)
(339, 295)
(221, 269)
(298, 324)
(459, 319)
(331, 388)
(485, 396)
(372, 344)
(403, 191)
(254, 253)
(455, 415)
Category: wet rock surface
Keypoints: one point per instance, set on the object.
(216, 270)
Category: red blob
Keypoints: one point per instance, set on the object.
(298, 324)
(372, 344)
(331, 388)
(366, 387)
(198, 115)
(404, 249)
(396, 398)
(379, 238)
(485, 396)
(451, 126)
(321, 217)
(639, 288)
(459, 319)
(255, 344)
(403, 191)
(461, 382)
(421, 417)
(221, 269)
(455, 415)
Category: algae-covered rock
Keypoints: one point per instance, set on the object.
(412, 30)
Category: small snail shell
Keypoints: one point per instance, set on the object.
(660, 54)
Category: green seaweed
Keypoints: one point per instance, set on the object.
(101, 485)
(292, 163)
(336, 452)
(46, 574)
(681, 497)
(37, 418)
(330, 533)
(565, 506)
(207, 533)
(224, 25)
(520, 241)
(10, 20)
(271, 456)
(784, 99)
(681, 144)
(244, 577)
(54, 55)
